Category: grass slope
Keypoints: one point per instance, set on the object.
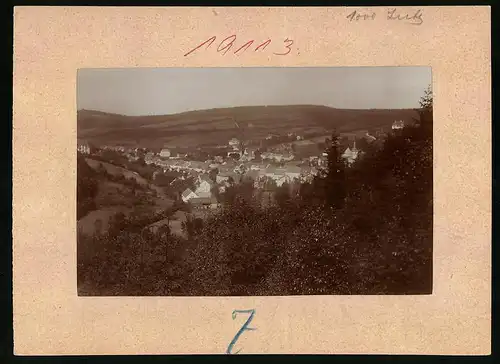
(113, 197)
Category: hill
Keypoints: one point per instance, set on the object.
(105, 189)
(218, 125)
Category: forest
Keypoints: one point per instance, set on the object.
(364, 229)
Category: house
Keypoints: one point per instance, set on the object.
(249, 153)
(180, 165)
(276, 174)
(272, 136)
(176, 180)
(225, 177)
(204, 179)
(204, 186)
(234, 154)
(350, 155)
(83, 148)
(118, 148)
(278, 157)
(234, 143)
(227, 166)
(149, 158)
(399, 124)
(165, 153)
(220, 178)
(188, 194)
(280, 179)
(241, 168)
(369, 138)
(307, 174)
(257, 167)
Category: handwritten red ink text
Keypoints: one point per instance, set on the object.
(280, 48)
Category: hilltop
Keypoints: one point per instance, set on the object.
(218, 125)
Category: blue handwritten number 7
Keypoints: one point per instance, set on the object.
(243, 328)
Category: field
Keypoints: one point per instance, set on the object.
(116, 196)
(218, 125)
(87, 224)
(116, 171)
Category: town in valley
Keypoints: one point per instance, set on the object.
(273, 161)
(252, 199)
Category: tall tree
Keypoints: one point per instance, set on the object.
(335, 179)
(426, 110)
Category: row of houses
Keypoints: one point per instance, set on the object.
(290, 135)
(202, 194)
(278, 157)
(83, 147)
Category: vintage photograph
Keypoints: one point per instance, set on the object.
(266, 181)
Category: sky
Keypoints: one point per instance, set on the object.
(160, 91)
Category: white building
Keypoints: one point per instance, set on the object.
(188, 194)
(149, 158)
(249, 153)
(280, 179)
(221, 178)
(83, 148)
(278, 157)
(276, 174)
(370, 138)
(399, 124)
(234, 143)
(204, 186)
(272, 136)
(350, 155)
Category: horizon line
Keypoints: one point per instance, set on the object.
(243, 106)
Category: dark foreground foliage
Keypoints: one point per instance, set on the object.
(360, 230)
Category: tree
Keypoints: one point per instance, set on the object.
(426, 110)
(87, 187)
(283, 196)
(213, 174)
(98, 226)
(362, 144)
(192, 226)
(334, 182)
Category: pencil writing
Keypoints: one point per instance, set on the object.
(415, 19)
(355, 15)
(393, 14)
